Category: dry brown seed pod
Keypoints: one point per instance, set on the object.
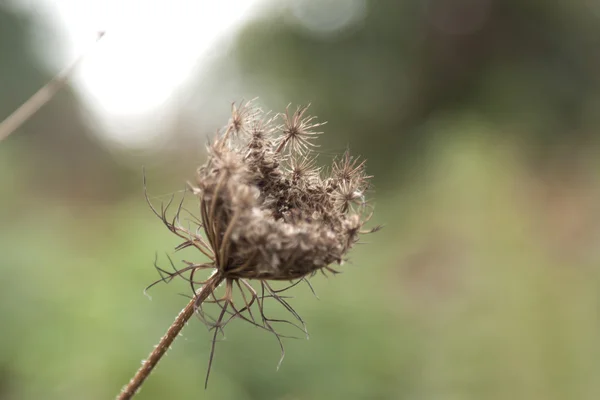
(265, 215)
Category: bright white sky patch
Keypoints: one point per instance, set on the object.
(150, 47)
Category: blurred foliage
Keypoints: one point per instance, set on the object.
(484, 282)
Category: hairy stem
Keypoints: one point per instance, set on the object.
(165, 342)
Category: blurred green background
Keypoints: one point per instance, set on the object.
(479, 120)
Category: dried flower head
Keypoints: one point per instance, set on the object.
(268, 213)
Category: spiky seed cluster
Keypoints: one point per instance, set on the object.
(268, 211)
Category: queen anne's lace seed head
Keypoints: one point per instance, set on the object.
(269, 213)
(272, 213)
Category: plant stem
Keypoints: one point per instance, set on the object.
(39, 99)
(165, 342)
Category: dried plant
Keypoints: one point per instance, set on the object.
(267, 213)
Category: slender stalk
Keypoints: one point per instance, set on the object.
(165, 342)
(40, 98)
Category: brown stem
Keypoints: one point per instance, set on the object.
(165, 342)
(39, 99)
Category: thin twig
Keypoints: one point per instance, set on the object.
(165, 342)
(40, 98)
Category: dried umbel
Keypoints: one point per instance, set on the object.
(268, 212)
